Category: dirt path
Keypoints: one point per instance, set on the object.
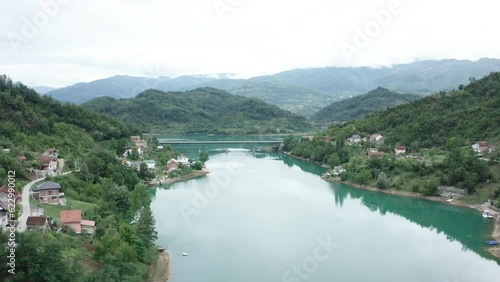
(21, 225)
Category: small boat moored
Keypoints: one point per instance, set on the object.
(185, 254)
(492, 243)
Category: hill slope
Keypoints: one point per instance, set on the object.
(204, 110)
(302, 91)
(362, 105)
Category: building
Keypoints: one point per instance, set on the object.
(373, 150)
(375, 137)
(171, 165)
(48, 192)
(337, 170)
(308, 136)
(135, 138)
(37, 222)
(183, 159)
(375, 154)
(52, 152)
(5, 194)
(151, 164)
(73, 219)
(482, 146)
(354, 140)
(399, 150)
(48, 163)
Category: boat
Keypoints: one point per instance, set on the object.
(487, 214)
(492, 243)
(185, 254)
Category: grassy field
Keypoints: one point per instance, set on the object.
(54, 211)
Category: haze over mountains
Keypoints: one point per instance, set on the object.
(302, 91)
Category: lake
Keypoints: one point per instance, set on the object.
(268, 217)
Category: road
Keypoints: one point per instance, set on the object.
(21, 226)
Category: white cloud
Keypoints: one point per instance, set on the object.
(86, 40)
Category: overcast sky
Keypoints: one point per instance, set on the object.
(61, 42)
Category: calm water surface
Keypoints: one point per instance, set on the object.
(260, 217)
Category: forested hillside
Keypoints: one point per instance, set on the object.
(434, 135)
(362, 105)
(108, 193)
(204, 110)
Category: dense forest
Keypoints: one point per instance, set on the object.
(362, 105)
(108, 192)
(204, 110)
(437, 132)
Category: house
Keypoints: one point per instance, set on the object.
(52, 152)
(37, 222)
(127, 153)
(482, 146)
(373, 150)
(308, 136)
(135, 138)
(337, 170)
(48, 163)
(375, 154)
(400, 150)
(375, 137)
(48, 192)
(354, 140)
(141, 150)
(141, 143)
(4, 194)
(21, 159)
(171, 165)
(151, 164)
(159, 147)
(73, 219)
(183, 159)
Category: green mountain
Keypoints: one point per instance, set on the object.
(362, 105)
(203, 110)
(302, 91)
(35, 123)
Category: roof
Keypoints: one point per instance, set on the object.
(21, 158)
(71, 216)
(46, 159)
(76, 226)
(85, 222)
(36, 220)
(5, 189)
(482, 143)
(375, 154)
(400, 148)
(48, 185)
(374, 135)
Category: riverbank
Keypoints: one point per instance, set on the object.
(192, 175)
(160, 271)
(495, 251)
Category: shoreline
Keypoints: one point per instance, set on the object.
(495, 234)
(193, 175)
(160, 271)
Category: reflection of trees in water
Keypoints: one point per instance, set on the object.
(458, 224)
(303, 165)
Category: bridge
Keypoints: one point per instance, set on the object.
(173, 142)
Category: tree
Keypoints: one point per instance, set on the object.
(144, 172)
(382, 181)
(134, 155)
(203, 157)
(146, 227)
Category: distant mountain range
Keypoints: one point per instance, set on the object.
(362, 105)
(302, 91)
(43, 89)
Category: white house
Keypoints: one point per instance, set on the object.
(151, 164)
(354, 140)
(375, 137)
(400, 150)
(183, 159)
